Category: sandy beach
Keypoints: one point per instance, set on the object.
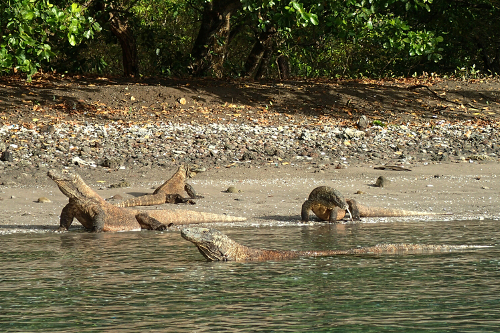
(274, 195)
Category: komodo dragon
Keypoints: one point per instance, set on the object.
(170, 191)
(95, 214)
(216, 246)
(325, 198)
(327, 204)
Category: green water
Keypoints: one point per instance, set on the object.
(152, 281)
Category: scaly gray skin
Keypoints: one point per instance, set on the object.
(171, 191)
(325, 198)
(216, 246)
(96, 214)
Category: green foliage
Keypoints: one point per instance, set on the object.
(350, 38)
(304, 17)
(471, 32)
(31, 28)
(362, 38)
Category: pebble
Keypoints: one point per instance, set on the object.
(43, 200)
(120, 184)
(363, 122)
(120, 145)
(232, 189)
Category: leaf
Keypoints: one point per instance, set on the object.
(75, 8)
(314, 19)
(28, 15)
(370, 24)
(72, 39)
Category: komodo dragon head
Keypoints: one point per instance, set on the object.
(70, 184)
(192, 169)
(212, 244)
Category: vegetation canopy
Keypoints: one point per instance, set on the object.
(251, 38)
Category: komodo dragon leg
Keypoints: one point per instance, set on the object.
(191, 192)
(150, 223)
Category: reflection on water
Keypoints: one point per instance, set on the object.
(150, 281)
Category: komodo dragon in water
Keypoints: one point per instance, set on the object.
(216, 246)
(170, 191)
(96, 214)
(329, 205)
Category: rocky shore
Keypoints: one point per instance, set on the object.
(454, 166)
(116, 145)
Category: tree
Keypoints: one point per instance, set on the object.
(374, 35)
(471, 31)
(363, 38)
(116, 16)
(30, 29)
(209, 49)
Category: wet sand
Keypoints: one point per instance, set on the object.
(274, 195)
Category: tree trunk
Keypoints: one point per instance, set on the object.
(121, 29)
(491, 63)
(283, 67)
(210, 47)
(260, 54)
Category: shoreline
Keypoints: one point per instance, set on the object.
(272, 196)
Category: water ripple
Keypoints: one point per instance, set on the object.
(148, 281)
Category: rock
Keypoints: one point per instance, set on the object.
(270, 151)
(248, 156)
(362, 123)
(47, 129)
(111, 163)
(482, 157)
(120, 184)
(232, 189)
(78, 161)
(43, 200)
(381, 182)
(7, 156)
(350, 133)
(116, 197)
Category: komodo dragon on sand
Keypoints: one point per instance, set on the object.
(216, 246)
(328, 205)
(96, 214)
(170, 191)
(325, 198)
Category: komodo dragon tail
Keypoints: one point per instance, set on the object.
(182, 216)
(143, 200)
(408, 248)
(366, 211)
